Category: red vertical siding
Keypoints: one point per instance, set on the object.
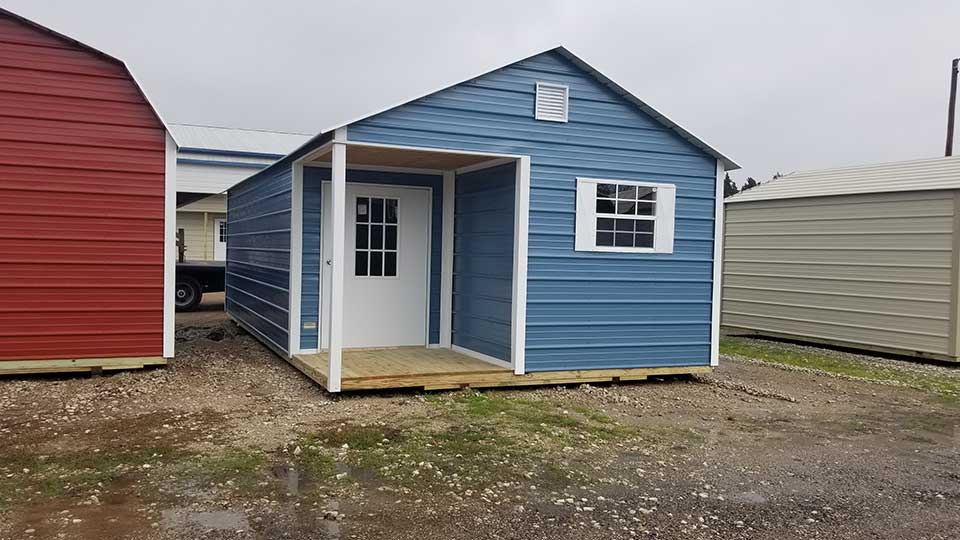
(81, 203)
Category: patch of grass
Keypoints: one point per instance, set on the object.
(314, 461)
(241, 466)
(936, 382)
(69, 474)
(357, 437)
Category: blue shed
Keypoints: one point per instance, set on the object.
(536, 224)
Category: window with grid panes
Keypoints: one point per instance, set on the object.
(624, 216)
(376, 241)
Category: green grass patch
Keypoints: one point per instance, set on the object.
(69, 474)
(826, 360)
(243, 467)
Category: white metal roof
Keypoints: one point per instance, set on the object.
(246, 141)
(916, 175)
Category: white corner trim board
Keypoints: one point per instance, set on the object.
(521, 222)
(169, 246)
(717, 268)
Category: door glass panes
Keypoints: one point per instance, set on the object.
(376, 245)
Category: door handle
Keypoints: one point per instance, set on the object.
(329, 262)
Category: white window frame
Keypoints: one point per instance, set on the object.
(566, 102)
(663, 217)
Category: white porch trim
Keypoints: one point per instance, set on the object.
(521, 222)
(338, 217)
(296, 258)
(169, 246)
(717, 268)
(446, 260)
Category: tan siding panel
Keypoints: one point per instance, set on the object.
(199, 241)
(844, 315)
(911, 224)
(864, 286)
(895, 272)
(862, 269)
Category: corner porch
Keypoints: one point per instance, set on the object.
(374, 303)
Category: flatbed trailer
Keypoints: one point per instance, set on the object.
(194, 279)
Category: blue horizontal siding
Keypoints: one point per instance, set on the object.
(313, 177)
(310, 277)
(258, 254)
(483, 260)
(585, 310)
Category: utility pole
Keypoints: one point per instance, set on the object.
(953, 107)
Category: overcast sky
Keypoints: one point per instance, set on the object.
(777, 86)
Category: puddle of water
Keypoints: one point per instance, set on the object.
(222, 520)
(359, 474)
(291, 477)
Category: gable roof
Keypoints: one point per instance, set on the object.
(728, 163)
(97, 52)
(255, 142)
(916, 175)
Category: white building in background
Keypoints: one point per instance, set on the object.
(210, 160)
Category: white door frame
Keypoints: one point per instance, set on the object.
(428, 232)
(338, 173)
(217, 244)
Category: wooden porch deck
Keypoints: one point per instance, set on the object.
(444, 369)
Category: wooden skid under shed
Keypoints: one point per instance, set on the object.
(31, 367)
(443, 369)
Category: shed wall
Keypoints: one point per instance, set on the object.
(82, 176)
(866, 270)
(483, 260)
(584, 310)
(258, 254)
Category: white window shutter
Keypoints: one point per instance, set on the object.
(663, 231)
(552, 102)
(586, 223)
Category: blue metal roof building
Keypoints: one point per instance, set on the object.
(535, 224)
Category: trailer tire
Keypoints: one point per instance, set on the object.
(188, 293)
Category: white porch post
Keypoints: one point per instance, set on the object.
(521, 221)
(338, 214)
(446, 264)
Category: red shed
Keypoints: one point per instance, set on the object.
(87, 209)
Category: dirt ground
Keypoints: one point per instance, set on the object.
(231, 442)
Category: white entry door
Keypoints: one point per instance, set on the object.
(219, 239)
(386, 268)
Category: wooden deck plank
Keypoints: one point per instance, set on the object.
(439, 369)
(74, 365)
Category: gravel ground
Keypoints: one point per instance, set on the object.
(231, 442)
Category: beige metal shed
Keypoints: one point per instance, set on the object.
(865, 257)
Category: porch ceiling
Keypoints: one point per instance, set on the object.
(406, 158)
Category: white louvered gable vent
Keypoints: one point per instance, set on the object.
(552, 102)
